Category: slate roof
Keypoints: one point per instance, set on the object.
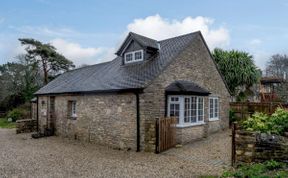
(186, 87)
(142, 40)
(114, 76)
(148, 42)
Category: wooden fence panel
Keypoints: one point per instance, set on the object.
(165, 134)
(245, 109)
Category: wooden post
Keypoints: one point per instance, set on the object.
(233, 154)
(157, 135)
(242, 111)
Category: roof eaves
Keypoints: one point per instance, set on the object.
(138, 90)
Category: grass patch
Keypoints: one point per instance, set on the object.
(268, 169)
(6, 125)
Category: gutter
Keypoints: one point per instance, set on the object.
(138, 121)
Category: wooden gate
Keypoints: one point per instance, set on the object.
(165, 133)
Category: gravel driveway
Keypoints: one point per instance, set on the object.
(21, 156)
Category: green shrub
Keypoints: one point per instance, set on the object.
(267, 169)
(277, 123)
(232, 116)
(257, 122)
(17, 114)
(272, 165)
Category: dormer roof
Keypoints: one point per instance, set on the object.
(145, 42)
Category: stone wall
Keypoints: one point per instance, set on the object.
(26, 126)
(196, 65)
(188, 134)
(34, 111)
(105, 119)
(258, 147)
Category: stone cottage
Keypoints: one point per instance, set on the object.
(114, 103)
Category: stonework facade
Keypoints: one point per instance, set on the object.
(196, 65)
(111, 119)
(107, 119)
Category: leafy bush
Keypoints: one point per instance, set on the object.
(272, 165)
(232, 116)
(258, 122)
(267, 169)
(277, 123)
(17, 113)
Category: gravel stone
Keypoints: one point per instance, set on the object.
(22, 156)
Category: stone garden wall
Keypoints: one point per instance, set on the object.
(26, 126)
(259, 147)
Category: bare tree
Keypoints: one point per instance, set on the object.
(277, 66)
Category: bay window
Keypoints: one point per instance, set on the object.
(189, 110)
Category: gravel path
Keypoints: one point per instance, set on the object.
(21, 156)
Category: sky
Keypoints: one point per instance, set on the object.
(90, 31)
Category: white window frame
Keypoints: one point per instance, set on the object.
(214, 118)
(73, 111)
(133, 56)
(181, 103)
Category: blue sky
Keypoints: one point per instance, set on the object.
(90, 31)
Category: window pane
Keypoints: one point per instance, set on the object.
(177, 107)
(187, 110)
(211, 108)
(128, 57)
(193, 119)
(216, 107)
(174, 98)
(72, 109)
(200, 109)
(138, 55)
(193, 109)
(174, 110)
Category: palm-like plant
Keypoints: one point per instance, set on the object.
(238, 69)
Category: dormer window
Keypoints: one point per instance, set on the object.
(133, 56)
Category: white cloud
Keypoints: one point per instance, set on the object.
(159, 28)
(45, 31)
(255, 42)
(81, 55)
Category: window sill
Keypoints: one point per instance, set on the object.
(73, 117)
(190, 125)
(214, 119)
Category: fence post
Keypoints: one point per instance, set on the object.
(233, 154)
(242, 111)
(157, 135)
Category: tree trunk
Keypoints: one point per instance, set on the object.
(45, 72)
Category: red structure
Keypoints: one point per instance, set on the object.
(267, 88)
